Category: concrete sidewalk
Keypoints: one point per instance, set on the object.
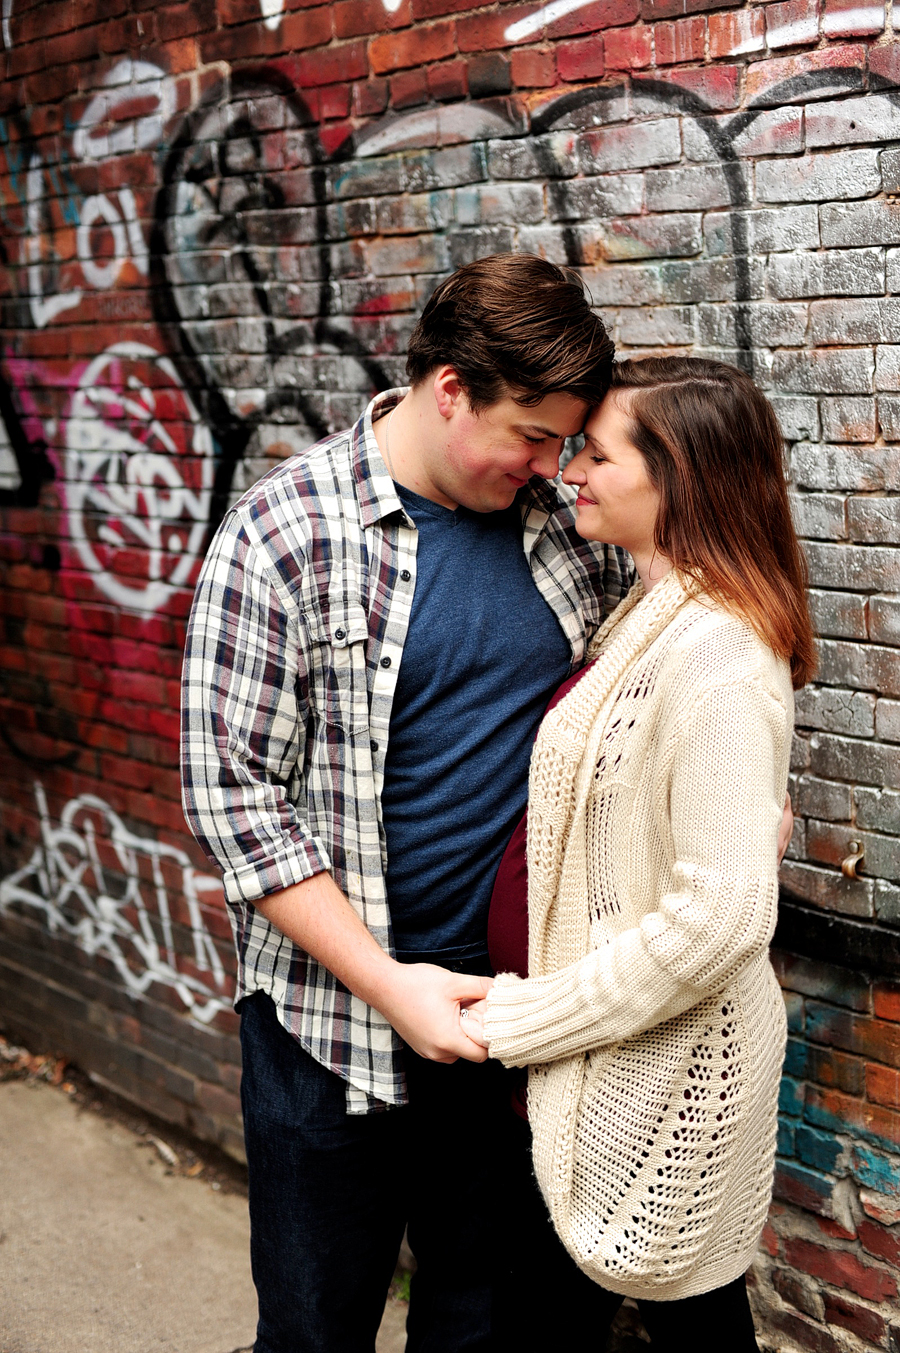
(104, 1251)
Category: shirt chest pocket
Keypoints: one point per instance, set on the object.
(338, 691)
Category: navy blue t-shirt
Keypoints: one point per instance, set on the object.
(483, 655)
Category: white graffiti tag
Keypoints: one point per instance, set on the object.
(138, 476)
(110, 890)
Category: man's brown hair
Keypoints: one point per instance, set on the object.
(714, 452)
(513, 324)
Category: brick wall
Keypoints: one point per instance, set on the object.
(218, 220)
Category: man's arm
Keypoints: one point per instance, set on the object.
(242, 736)
(421, 1001)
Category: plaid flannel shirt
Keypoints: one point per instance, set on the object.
(292, 656)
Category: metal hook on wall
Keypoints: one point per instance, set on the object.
(852, 861)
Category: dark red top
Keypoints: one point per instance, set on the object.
(508, 915)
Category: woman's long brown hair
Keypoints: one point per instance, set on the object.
(714, 450)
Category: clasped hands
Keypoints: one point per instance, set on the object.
(425, 1004)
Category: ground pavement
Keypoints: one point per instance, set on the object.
(105, 1248)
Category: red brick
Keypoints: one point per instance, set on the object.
(305, 28)
(187, 20)
(82, 45)
(594, 18)
(370, 97)
(42, 21)
(487, 32)
(681, 41)
(628, 48)
(883, 1085)
(833, 1228)
(843, 1114)
(358, 18)
(848, 19)
(740, 30)
(432, 9)
(326, 67)
(769, 1240)
(408, 88)
(858, 1319)
(886, 998)
(885, 62)
(763, 75)
(803, 1332)
(717, 86)
(447, 80)
(334, 101)
(532, 69)
(877, 1040)
(413, 48)
(333, 136)
(839, 1268)
(580, 60)
(881, 1242)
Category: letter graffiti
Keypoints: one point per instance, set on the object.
(109, 889)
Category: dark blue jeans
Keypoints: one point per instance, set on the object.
(330, 1195)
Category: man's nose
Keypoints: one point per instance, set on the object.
(545, 463)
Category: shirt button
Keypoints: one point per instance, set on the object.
(405, 575)
(374, 745)
(340, 634)
(385, 662)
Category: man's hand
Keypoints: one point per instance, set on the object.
(423, 1004)
(420, 1000)
(786, 829)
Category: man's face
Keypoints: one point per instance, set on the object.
(487, 457)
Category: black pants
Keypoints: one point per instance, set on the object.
(330, 1194)
(543, 1301)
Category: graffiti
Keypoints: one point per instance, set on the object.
(284, 270)
(105, 130)
(110, 890)
(271, 11)
(138, 476)
(547, 14)
(44, 307)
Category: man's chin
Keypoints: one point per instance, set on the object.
(496, 501)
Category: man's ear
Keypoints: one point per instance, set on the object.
(449, 395)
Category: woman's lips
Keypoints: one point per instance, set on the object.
(581, 501)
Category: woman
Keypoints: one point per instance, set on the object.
(650, 1017)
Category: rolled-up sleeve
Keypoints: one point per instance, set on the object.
(244, 702)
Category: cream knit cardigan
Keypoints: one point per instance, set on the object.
(652, 1021)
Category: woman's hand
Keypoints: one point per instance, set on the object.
(471, 1019)
(786, 830)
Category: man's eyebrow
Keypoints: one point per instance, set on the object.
(539, 428)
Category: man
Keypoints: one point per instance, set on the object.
(379, 624)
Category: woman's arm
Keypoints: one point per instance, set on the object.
(725, 803)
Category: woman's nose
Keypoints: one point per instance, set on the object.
(573, 473)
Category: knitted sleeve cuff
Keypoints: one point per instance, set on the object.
(536, 1019)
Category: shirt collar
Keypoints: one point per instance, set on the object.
(375, 487)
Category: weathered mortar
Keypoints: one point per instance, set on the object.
(218, 226)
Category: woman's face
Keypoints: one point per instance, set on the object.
(616, 501)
